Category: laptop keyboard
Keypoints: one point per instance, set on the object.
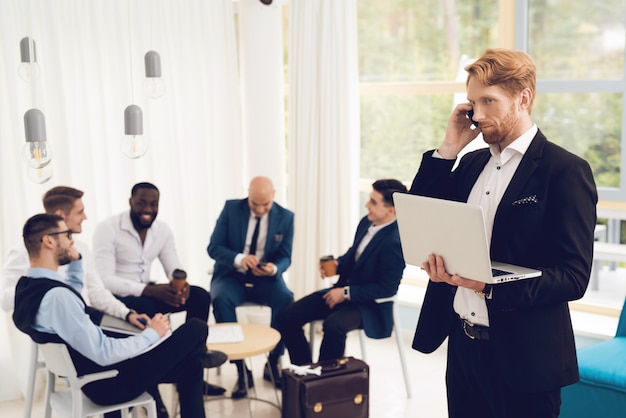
(497, 272)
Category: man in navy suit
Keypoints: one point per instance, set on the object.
(251, 245)
(511, 345)
(369, 270)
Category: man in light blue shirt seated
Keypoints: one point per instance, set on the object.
(48, 309)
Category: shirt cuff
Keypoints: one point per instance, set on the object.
(238, 258)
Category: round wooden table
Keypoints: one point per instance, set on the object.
(257, 339)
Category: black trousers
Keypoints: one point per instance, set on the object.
(176, 360)
(476, 389)
(338, 321)
(197, 305)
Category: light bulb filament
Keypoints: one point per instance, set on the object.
(37, 155)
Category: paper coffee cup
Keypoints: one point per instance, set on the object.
(329, 265)
(179, 279)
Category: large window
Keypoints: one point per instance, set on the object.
(579, 51)
(411, 60)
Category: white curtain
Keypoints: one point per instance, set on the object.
(323, 134)
(90, 55)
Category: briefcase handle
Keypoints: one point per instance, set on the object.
(336, 365)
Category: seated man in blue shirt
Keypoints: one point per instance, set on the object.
(48, 309)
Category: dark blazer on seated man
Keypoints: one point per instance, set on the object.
(371, 269)
(238, 274)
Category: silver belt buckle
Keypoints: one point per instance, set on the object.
(467, 323)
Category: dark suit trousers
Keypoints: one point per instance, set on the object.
(476, 387)
(197, 305)
(338, 321)
(176, 360)
(230, 291)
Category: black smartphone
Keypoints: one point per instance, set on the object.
(262, 264)
(470, 115)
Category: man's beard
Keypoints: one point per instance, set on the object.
(139, 223)
(63, 256)
(500, 133)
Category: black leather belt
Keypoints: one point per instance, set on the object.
(474, 331)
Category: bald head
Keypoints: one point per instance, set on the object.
(260, 195)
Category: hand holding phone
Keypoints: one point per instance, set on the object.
(470, 116)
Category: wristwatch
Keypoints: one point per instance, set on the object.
(487, 292)
(346, 292)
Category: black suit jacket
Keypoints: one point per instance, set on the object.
(545, 220)
(375, 275)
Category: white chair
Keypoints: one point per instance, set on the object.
(362, 336)
(71, 402)
(34, 365)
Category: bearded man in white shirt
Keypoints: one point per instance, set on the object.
(126, 244)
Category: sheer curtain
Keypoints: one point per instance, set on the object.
(323, 134)
(90, 55)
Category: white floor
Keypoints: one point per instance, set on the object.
(387, 392)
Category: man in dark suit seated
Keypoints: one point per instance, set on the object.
(251, 245)
(369, 270)
(49, 309)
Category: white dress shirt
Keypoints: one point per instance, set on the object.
(487, 193)
(371, 231)
(122, 260)
(261, 241)
(95, 294)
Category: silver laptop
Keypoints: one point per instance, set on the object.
(455, 231)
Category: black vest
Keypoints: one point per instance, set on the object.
(28, 295)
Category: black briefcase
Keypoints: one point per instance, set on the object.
(342, 390)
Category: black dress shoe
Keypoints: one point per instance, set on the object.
(212, 390)
(240, 390)
(213, 358)
(273, 369)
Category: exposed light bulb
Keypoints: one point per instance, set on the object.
(134, 144)
(36, 152)
(28, 69)
(39, 175)
(153, 85)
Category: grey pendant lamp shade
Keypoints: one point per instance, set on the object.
(28, 69)
(36, 152)
(133, 120)
(152, 60)
(134, 145)
(153, 86)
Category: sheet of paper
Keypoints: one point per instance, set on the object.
(225, 334)
(163, 338)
